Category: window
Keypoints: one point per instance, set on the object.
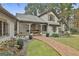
(54, 28)
(0, 28)
(51, 18)
(44, 27)
(5, 29)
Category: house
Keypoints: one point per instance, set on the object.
(45, 22)
(30, 24)
(7, 23)
(26, 24)
(52, 21)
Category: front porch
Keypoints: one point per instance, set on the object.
(38, 28)
(31, 28)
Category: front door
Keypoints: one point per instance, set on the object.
(35, 28)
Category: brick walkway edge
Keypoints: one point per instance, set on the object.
(61, 48)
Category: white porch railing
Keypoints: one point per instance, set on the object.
(4, 38)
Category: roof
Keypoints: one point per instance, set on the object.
(7, 13)
(29, 18)
(48, 12)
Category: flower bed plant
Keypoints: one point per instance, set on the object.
(55, 35)
(6, 53)
(8, 47)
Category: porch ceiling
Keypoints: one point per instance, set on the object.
(31, 22)
(55, 24)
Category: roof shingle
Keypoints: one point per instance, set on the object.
(29, 18)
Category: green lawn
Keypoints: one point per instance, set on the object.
(72, 41)
(39, 48)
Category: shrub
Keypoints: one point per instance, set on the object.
(74, 31)
(20, 43)
(55, 35)
(44, 32)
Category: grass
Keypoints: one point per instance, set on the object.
(39, 48)
(72, 41)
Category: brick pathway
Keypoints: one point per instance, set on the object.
(59, 47)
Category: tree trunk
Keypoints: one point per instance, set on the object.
(67, 30)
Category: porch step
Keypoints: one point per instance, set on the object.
(36, 34)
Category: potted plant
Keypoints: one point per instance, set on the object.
(30, 36)
(47, 34)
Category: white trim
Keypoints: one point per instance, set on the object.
(41, 28)
(2, 28)
(29, 28)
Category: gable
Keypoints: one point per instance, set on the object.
(53, 11)
(46, 16)
(55, 17)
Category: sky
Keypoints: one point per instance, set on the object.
(14, 8)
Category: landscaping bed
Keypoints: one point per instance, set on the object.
(6, 53)
(39, 48)
(10, 47)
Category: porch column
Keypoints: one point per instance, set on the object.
(41, 28)
(57, 30)
(2, 28)
(29, 28)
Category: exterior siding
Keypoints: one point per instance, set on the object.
(46, 17)
(23, 28)
(56, 19)
(10, 22)
(49, 30)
